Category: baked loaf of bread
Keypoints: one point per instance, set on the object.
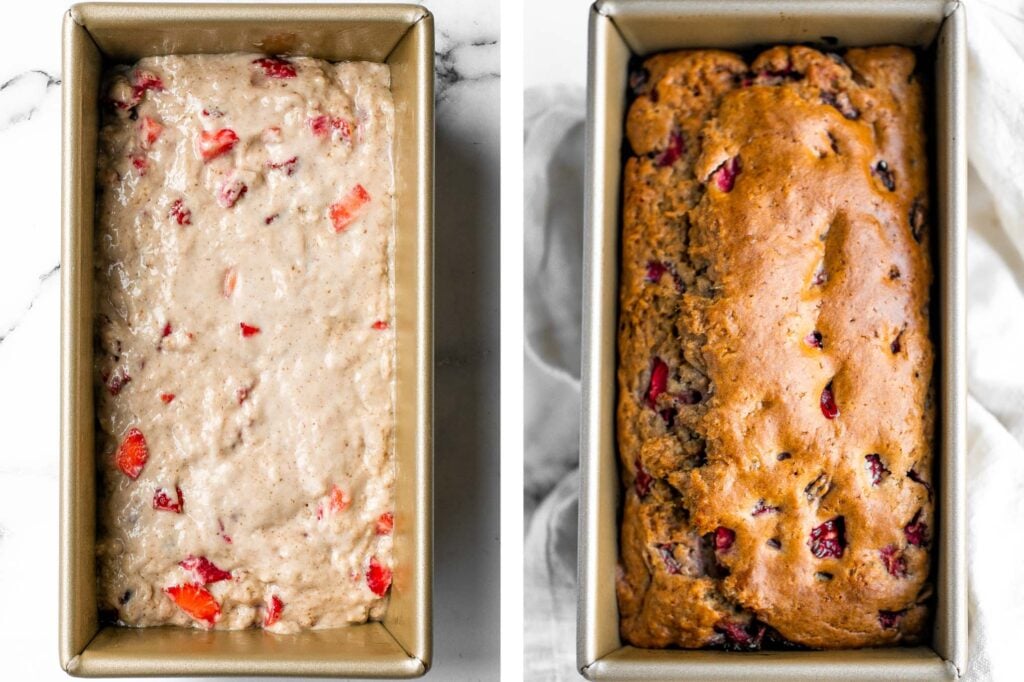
(775, 410)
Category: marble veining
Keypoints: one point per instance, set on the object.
(22, 95)
(44, 280)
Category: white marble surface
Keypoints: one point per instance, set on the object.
(466, 436)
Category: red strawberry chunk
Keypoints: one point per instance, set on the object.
(287, 166)
(378, 578)
(275, 67)
(248, 329)
(338, 500)
(166, 331)
(737, 635)
(196, 601)
(916, 531)
(724, 538)
(166, 398)
(385, 523)
(274, 609)
(725, 176)
(658, 383)
(876, 468)
(643, 480)
(889, 619)
(214, 143)
(323, 126)
(828, 539)
(140, 163)
(132, 453)
(143, 81)
(655, 269)
(828, 403)
(894, 561)
(231, 191)
(180, 213)
(351, 206)
(204, 569)
(380, 325)
(117, 381)
(162, 500)
(675, 149)
(270, 218)
(150, 130)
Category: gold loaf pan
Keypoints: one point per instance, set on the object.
(402, 36)
(620, 29)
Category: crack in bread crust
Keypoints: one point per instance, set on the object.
(774, 421)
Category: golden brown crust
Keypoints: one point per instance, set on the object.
(768, 211)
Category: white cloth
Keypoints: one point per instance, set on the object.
(553, 168)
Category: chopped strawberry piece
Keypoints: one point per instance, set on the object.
(270, 218)
(385, 523)
(180, 213)
(829, 539)
(163, 502)
(916, 531)
(274, 609)
(346, 211)
(150, 130)
(380, 325)
(287, 166)
(142, 81)
(658, 382)
(196, 601)
(828, 403)
(248, 329)
(241, 394)
(140, 163)
(320, 125)
(117, 381)
(894, 562)
(167, 330)
(889, 619)
(643, 480)
(378, 578)
(132, 453)
(204, 569)
(725, 176)
(873, 463)
(675, 149)
(323, 126)
(214, 143)
(275, 67)
(655, 269)
(230, 282)
(724, 538)
(338, 500)
(231, 191)
(166, 398)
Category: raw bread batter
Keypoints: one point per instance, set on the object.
(245, 350)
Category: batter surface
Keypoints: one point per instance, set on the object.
(244, 345)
